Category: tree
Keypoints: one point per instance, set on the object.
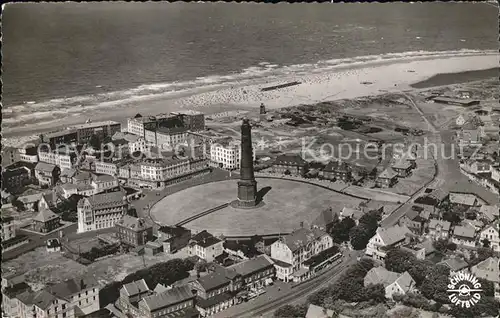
(399, 261)
(201, 266)
(359, 236)
(287, 172)
(486, 242)
(435, 285)
(132, 212)
(451, 217)
(481, 254)
(16, 203)
(373, 173)
(375, 292)
(95, 142)
(291, 311)
(340, 230)
(419, 269)
(441, 245)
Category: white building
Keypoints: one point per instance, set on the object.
(166, 138)
(63, 161)
(108, 168)
(162, 169)
(492, 234)
(104, 182)
(439, 229)
(138, 125)
(79, 292)
(385, 238)
(101, 211)
(226, 153)
(291, 251)
(394, 283)
(205, 246)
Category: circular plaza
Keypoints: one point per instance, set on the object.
(287, 203)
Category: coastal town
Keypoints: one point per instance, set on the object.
(245, 214)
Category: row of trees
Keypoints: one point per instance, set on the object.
(358, 235)
(164, 273)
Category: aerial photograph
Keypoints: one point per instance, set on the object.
(239, 160)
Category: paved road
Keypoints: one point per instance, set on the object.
(269, 302)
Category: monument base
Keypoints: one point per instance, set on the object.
(239, 204)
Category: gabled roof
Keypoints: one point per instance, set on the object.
(491, 212)
(135, 287)
(69, 287)
(455, 264)
(380, 275)
(445, 225)
(133, 223)
(464, 231)
(104, 178)
(406, 282)
(69, 173)
(402, 164)
(324, 218)
(301, 237)
(45, 215)
(213, 280)
(106, 200)
(338, 166)
(167, 298)
(318, 312)
(160, 288)
(388, 174)
(494, 225)
(45, 167)
(253, 265)
(491, 265)
(290, 159)
(205, 239)
(354, 214)
(462, 198)
(392, 235)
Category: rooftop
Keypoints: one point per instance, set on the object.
(455, 263)
(290, 159)
(445, 225)
(302, 237)
(253, 265)
(205, 239)
(45, 215)
(168, 298)
(464, 231)
(106, 200)
(133, 223)
(393, 234)
(462, 198)
(388, 174)
(69, 287)
(135, 287)
(213, 280)
(45, 167)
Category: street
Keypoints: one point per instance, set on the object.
(274, 298)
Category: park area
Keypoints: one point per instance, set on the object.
(287, 204)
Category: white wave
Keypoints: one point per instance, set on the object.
(79, 104)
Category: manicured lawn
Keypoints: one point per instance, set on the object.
(287, 203)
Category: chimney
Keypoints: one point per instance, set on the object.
(82, 284)
(301, 224)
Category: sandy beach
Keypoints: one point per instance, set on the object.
(317, 83)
